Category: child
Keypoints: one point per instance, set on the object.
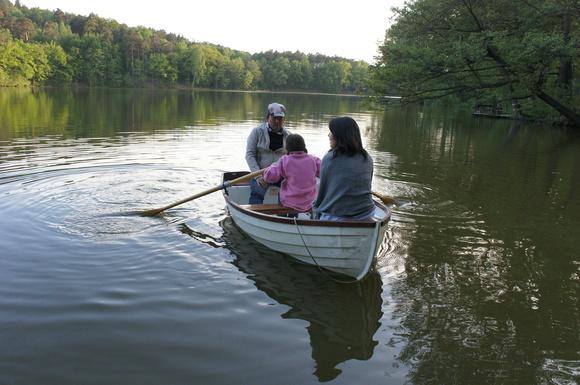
(299, 169)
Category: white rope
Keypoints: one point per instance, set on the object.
(314, 260)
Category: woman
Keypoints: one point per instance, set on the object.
(346, 175)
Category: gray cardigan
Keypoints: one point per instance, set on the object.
(345, 186)
(258, 153)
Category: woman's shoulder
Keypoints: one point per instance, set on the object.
(359, 156)
(328, 155)
(341, 158)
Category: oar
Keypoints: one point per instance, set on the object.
(389, 200)
(150, 213)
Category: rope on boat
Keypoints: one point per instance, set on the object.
(314, 260)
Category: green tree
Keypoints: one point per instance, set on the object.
(57, 47)
(22, 64)
(239, 77)
(40, 62)
(60, 72)
(300, 73)
(88, 58)
(133, 47)
(59, 16)
(253, 68)
(221, 78)
(275, 73)
(21, 28)
(5, 36)
(332, 76)
(16, 65)
(195, 64)
(513, 52)
(38, 16)
(5, 7)
(64, 31)
(98, 26)
(50, 31)
(114, 72)
(358, 76)
(159, 43)
(213, 60)
(94, 58)
(160, 69)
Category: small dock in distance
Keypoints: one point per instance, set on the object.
(486, 111)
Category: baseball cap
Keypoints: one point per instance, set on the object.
(277, 110)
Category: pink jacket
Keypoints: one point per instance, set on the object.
(299, 170)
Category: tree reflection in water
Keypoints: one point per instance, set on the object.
(479, 315)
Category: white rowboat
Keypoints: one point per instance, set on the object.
(345, 247)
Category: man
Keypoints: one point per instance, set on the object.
(265, 146)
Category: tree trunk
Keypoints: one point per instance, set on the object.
(516, 107)
(572, 117)
(565, 67)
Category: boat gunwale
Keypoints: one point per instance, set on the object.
(370, 222)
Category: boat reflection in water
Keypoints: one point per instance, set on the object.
(343, 317)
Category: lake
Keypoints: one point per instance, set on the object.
(480, 283)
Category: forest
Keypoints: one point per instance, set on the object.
(516, 56)
(56, 48)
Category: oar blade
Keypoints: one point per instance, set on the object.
(150, 213)
(389, 200)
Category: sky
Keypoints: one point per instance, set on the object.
(352, 30)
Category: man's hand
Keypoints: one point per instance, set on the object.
(261, 181)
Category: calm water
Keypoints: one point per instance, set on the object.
(480, 284)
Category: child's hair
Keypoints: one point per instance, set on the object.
(294, 142)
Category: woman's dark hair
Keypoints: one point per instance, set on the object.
(347, 139)
(294, 142)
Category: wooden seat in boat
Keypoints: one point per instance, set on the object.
(271, 208)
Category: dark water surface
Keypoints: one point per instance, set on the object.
(480, 284)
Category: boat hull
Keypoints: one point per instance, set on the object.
(345, 247)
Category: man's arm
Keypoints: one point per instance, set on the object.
(252, 151)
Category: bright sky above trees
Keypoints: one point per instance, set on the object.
(328, 27)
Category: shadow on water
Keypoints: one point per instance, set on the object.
(343, 317)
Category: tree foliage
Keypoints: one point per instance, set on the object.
(54, 47)
(519, 54)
